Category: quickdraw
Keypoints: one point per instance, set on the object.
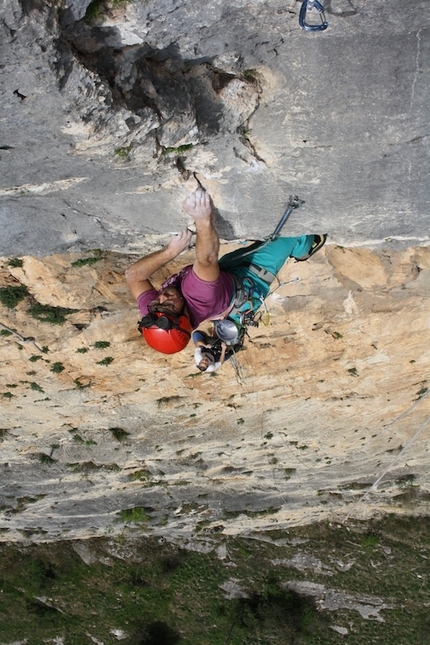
(307, 7)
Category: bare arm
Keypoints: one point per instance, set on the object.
(137, 276)
(223, 351)
(198, 206)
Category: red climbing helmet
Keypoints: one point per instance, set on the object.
(166, 332)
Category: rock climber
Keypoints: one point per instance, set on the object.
(211, 288)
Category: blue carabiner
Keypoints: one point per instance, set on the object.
(307, 5)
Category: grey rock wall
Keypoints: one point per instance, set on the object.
(104, 121)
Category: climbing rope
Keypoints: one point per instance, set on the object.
(390, 465)
(23, 339)
(237, 368)
(402, 416)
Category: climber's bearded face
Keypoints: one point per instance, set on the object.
(170, 300)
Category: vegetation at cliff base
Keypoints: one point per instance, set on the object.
(372, 581)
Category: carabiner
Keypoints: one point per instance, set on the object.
(308, 5)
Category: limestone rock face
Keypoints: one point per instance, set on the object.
(110, 112)
(109, 108)
(327, 400)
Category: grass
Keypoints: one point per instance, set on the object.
(85, 261)
(10, 296)
(405, 481)
(119, 434)
(57, 367)
(98, 8)
(135, 515)
(35, 357)
(94, 10)
(105, 361)
(15, 263)
(179, 150)
(36, 387)
(250, 74)
(48, 314)
(101, 344)
(159, 594)
(124, 152)
(85, 442)
(80, 385)
(46, 459)
(141, 475)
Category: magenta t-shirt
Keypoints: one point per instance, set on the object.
(205, 300)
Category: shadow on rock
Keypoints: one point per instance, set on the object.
(224, 228)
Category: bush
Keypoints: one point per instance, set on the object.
(11, 296)
(15, 262)
(57, 367)
(46, 313)
(83, 261)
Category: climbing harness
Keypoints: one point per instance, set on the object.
(232, 327)
(306, 8)
(230, 332)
